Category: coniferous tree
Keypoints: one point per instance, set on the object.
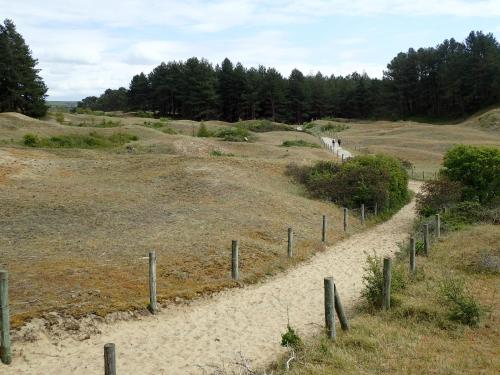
(21, 88)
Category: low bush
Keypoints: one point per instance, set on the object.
(236, 134)
(365, 179)
(334, 127)
(373, 280)
(299, 143)
(262, 126)
(220, 153)
(59, 116)
(91, 140)
(463, 307)
(291, 339)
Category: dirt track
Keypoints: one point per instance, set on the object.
(213, 331)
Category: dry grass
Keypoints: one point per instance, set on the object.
(422, 144)
(416, 336)
(77, 225)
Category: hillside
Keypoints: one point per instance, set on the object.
(77, 224)
(422, 144)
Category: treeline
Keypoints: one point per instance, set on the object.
(450, 80)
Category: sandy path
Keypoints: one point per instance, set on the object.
(213, 330)
(335, 148)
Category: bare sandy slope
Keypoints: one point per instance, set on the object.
(213, 331)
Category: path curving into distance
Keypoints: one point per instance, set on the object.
(335, 148)
(184, 339)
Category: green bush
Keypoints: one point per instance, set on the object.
(365, 179)
(477, 169)
(203, 132)
(236, 134)
(463, 307)
(373, 280)
(291, 339)
(299, 143)
(30, 140)
(262, 126)
(91, 140)
(334, 127)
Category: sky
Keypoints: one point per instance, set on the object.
(85, 47)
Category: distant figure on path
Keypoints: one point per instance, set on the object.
(339, 142)
(333, 142)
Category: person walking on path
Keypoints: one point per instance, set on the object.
(339, 141)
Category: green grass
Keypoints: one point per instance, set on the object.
(262, 126)
(89, 141)
(299, 143)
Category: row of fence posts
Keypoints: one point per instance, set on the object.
(332, 298)
(429, 175)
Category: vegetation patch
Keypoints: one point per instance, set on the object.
(91, 140)
(220, 153)
(299, 143)
(262, 126)
(365, 179)
(236, 134)
(331, 127)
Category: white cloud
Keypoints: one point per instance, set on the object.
(86, 46)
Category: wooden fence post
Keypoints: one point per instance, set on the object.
(235, 273)
(386, 292)
(413, 266)
(346, 218)
(362, 214)
(5, 349)
(109, 359)
(329, 308)
(438, 225)
(423, 175)
(344, 323)
(376, 208)
(153, 306)
(426, 240)
(323, 230)
(290, 242)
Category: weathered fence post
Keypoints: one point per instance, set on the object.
(109, 359)
(329, 308)
(423, 175)
(438, 225)
(412, 254)
(5, 350)
(346, 218)
(362, 214)
(344, 323)
(153, 306)
(235, 273)
(426, 239)
(323, 230)
(376, 208)
(386, 292)
(290, 242)
(342, 157)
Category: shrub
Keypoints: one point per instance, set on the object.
(236, 134)
(436, 194)
(220, 153)
(334, 127)
(365, 179)
(463, 307)
(299, 143)
(203, 132)
(262, 126)
(373, 280)
(291, 339)
(30, 140)
(477, 169)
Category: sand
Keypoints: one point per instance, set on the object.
(185, 339)
(335, 148)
